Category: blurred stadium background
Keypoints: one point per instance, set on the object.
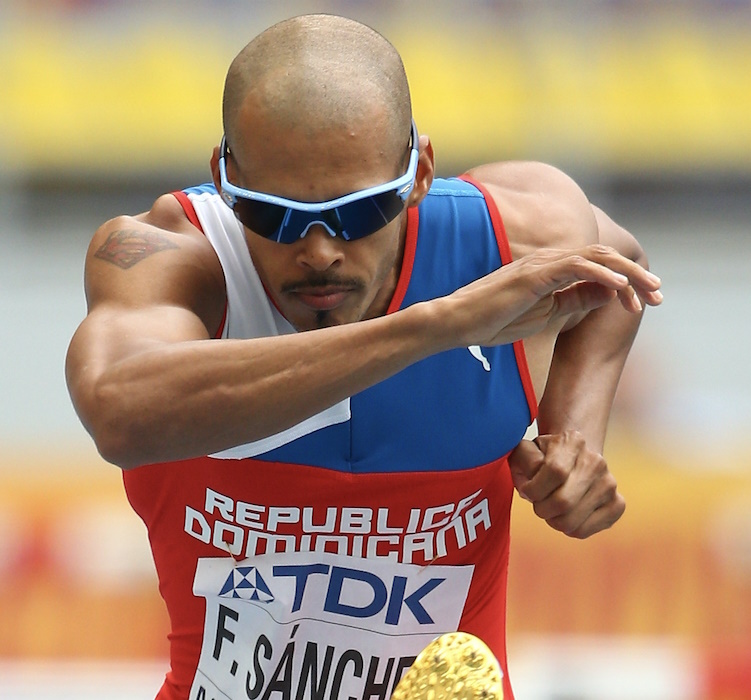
(105, 104)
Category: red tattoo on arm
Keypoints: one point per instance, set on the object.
(128, 247)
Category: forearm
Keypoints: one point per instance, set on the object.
(589, 358)
(179, 400)
(587, 364)
(150, 386)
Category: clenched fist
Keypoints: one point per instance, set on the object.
(569, 486)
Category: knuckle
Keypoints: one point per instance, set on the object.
(619, 507)
(546, 254)
(608, 486)
(581, 533)
(523, 494)
(558, 470)
(606, 517)
(562, 504)
(565, 524)
(555, 507)
(613, 517)
(577, 260)
(599, 467)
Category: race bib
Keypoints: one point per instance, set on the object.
(306, 625)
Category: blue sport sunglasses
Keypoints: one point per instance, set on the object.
(352, 216)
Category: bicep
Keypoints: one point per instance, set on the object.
(110, 335)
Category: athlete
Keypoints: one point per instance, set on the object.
(316, 373)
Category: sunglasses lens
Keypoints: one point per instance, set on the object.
(260, 217)
(351, 221)
(370, 214)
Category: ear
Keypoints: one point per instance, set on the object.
(425, 172)
(215, 169)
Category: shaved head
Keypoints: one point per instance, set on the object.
(316, 73)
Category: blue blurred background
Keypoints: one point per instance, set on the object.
(106, 104)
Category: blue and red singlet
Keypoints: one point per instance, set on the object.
(319, 562)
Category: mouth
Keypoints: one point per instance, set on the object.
(322, 299)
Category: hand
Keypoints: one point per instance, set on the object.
(526, 296)
(569, 486)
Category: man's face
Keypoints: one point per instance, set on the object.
(322, 280)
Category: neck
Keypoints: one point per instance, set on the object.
(385, 294)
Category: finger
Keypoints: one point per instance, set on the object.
(524, 462)
(560, 455)
(641, 296)
(650, 297)
(600, 519)
(581, 297)
(572, 502)
(567, 512)
(638, 276)
(630, 300)
(604, 265)
(589, 485)
(571, 267)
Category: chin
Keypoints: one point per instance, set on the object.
(327, 319)
(306, 319)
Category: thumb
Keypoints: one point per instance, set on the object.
(524, 462)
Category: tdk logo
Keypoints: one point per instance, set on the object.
(336, 590)
(245, 582)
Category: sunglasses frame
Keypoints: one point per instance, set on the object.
(402, 186)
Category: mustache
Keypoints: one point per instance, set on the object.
(322, 281)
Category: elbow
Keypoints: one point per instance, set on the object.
(116, 430)
(110, 405)
(116, 449)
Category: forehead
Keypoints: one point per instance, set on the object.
(302, 157)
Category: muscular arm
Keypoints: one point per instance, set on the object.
(575, 364)
(564, 472)
(150, 385)
(589, 357)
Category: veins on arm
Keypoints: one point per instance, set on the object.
(127, 247)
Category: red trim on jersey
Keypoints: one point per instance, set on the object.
(408, 260)
(505, 250)
(222, 323)
(188, 208)
(190, 212)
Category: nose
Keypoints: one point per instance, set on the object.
(319, 250)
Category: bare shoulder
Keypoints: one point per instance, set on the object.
(541, 206)
(126, 240)
(168, 214)
(155, 258)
